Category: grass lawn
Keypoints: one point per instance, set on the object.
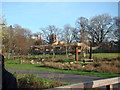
(14, 64)
(106, 55)
(99, 55)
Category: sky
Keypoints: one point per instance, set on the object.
(36, 15)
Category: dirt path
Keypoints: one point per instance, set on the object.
(71, 78)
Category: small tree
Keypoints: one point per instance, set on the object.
(22, 40)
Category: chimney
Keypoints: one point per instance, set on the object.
(39, 37)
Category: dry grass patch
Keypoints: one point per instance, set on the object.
(112, 67)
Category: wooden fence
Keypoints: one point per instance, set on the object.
(108, 83)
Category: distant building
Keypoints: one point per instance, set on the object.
(36, 37)
(55, 38)
(39, 37)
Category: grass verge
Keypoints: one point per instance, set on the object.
(37, 67)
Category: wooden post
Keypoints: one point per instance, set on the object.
(66, 52)
(76, 54)
(90, 57)
(109, 87)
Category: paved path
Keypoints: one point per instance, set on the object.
(71, 78)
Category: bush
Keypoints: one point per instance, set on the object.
(32, 81)
(29, 81)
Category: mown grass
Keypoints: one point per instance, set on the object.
(106, 55)
(16, 65)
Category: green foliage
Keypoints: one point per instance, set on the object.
(28, 81)
(11, 61)
(32, 81)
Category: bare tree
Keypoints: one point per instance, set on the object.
(68, 33)
(76, 35)
(99, 28)
(117, 30)
(49, 33)
(82, 24)
(95, 30)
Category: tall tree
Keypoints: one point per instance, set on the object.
(82, 24)
(68, 33)
(99, 28)
(117, 31)
(22, 40)
(3, 32)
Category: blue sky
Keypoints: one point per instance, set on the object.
(34, 15)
